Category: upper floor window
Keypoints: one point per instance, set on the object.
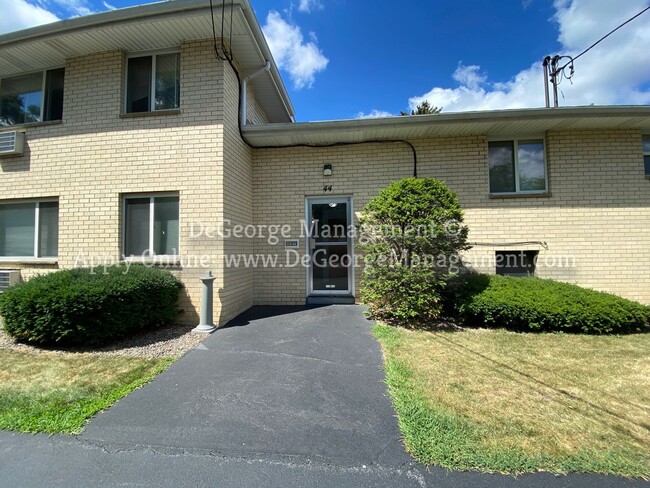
(153, 83)
(151, 225)
(29, 229)
(35, 97)
(646, 154)
(517, 166)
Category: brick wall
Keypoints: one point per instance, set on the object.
(594, 221)
(237, 294)
(95, 156)
(597, 212)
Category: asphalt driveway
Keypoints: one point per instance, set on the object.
(280, 381)
(283, 397)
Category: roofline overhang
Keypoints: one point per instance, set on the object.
(157, 9)
(302, 132)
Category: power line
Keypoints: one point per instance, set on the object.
(611, 32)
(556, 73)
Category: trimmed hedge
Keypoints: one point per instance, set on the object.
(533, 304)
(85, 306)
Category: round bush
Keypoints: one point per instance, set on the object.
(411, 235)
(533, 304)
(89, 306)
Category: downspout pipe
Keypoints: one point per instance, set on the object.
(243, 94)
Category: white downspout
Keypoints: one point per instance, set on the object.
(244, 85)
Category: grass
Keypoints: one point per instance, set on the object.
(58, 393)
(499, 401)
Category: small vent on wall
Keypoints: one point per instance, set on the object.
(8, 278)
(12, 143)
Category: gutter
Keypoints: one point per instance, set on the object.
(265, 54)
(451, 118)
(121, 15)
(153, 10)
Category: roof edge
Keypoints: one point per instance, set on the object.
(101, 18)
(454, 117)
(260, 39)
(153, 10)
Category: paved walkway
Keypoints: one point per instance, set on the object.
(284, 396)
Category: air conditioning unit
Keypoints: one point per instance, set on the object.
(8, 277)
(12, 143)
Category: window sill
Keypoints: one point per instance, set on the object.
(131, 115)
(161, 260)
(28, 260)
(21, 127)
(545, 194)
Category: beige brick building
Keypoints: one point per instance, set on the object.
(133, 152)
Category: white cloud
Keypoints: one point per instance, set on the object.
(302, 60)
(612, 73)
(469, 76)
(72, 8)
(19, 14)
(309, 5)
(374, 114)
(108, 6)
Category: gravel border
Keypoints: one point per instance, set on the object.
(173, 340)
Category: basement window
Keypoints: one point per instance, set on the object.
(151, 225)
(516, 263)
(153, 82)
(646, 155)
(29, 229)
(35, 97)
(517, 166)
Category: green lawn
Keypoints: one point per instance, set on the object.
(47, 392)
(500, 401)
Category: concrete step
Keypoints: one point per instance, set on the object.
(330, 300)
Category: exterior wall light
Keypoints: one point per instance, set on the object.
(327, 170)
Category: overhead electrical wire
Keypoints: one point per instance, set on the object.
(229, 58)
(232, 5)
(611, 32)
(560, 70)
(214, 32)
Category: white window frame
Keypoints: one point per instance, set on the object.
(43, 81)
(37, 221)
(151, 197)
(152, 93)
(515, 141)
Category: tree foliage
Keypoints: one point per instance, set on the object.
(424, 108)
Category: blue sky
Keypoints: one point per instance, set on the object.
(360, 58)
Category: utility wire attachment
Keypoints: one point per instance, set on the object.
(555, 72)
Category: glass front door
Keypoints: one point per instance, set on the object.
(330, 246)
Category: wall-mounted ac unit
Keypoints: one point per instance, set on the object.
(12, 143)
(8, 277)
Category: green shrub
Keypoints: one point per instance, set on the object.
(89, 306)
(411, 233)
(403, 294)
(533, 304)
